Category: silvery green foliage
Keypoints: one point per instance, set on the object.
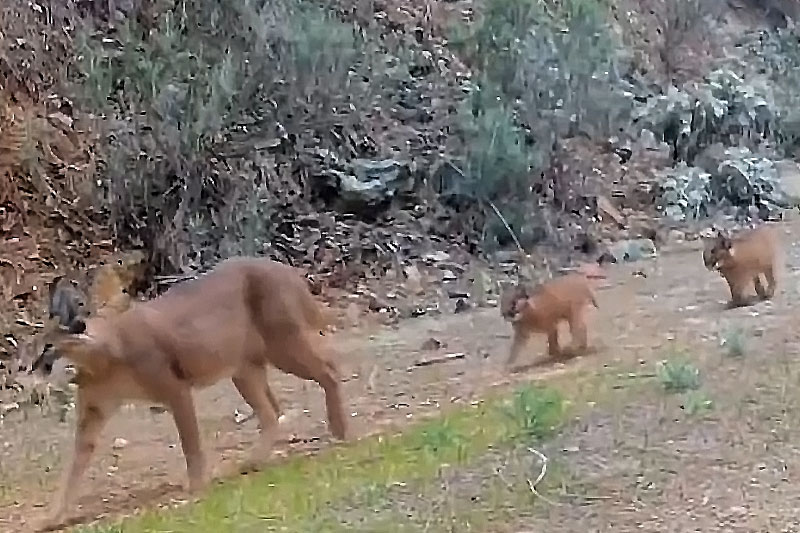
(774, 56)
(749, 106)
(745, 179)
(725, 108)
(729, 109)
(685, 192)
(742, 179)
(659, 112)
(567, 76)
(547, 72)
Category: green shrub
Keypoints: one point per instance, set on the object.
(185, 106)
(678, 375)
(533, 411)
(546, 73)
(696, 402)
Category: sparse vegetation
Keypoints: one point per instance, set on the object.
(734, 342)
(676, 374)
(185, 110)
(546, 75)
(533, 411)
(695, 402)
(370, 143)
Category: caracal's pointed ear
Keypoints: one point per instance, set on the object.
(51, 292)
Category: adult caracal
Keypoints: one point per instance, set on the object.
(232, 322)
(742, 260)
(541, 309)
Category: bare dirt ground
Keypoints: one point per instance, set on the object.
(647, 466)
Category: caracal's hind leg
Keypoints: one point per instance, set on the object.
(251, 382)
(578, 331)
(518, 344)
(769, 275)
(271, 395)
(301, 353)
(760, 290)
(274, 401)
(553, 347)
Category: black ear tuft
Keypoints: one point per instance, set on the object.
(45, 360)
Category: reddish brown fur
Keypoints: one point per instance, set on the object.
(230, 323)
(541, 310)
(742, 260)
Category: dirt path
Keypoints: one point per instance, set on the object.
(675, 300)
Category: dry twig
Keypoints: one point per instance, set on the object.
(532, 484)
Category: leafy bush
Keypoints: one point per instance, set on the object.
(498, 162)
(189, 109)
(722, 109)
(775, 57)
(696, 402)
(546, 73)
(685, 192)
(740, 180)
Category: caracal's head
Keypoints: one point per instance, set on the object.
(717, 250)
(510, 297)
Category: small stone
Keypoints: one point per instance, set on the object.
(431, 344)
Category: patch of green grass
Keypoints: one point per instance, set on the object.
(532, 411)
(696, 402)
(678, 375)
(733, 342)
(292, 493)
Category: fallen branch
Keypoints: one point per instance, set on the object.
(524, 259)
(508, 227)
(172, 280)
(437, 360)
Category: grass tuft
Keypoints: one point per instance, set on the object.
(678, 375)
(733, 342)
